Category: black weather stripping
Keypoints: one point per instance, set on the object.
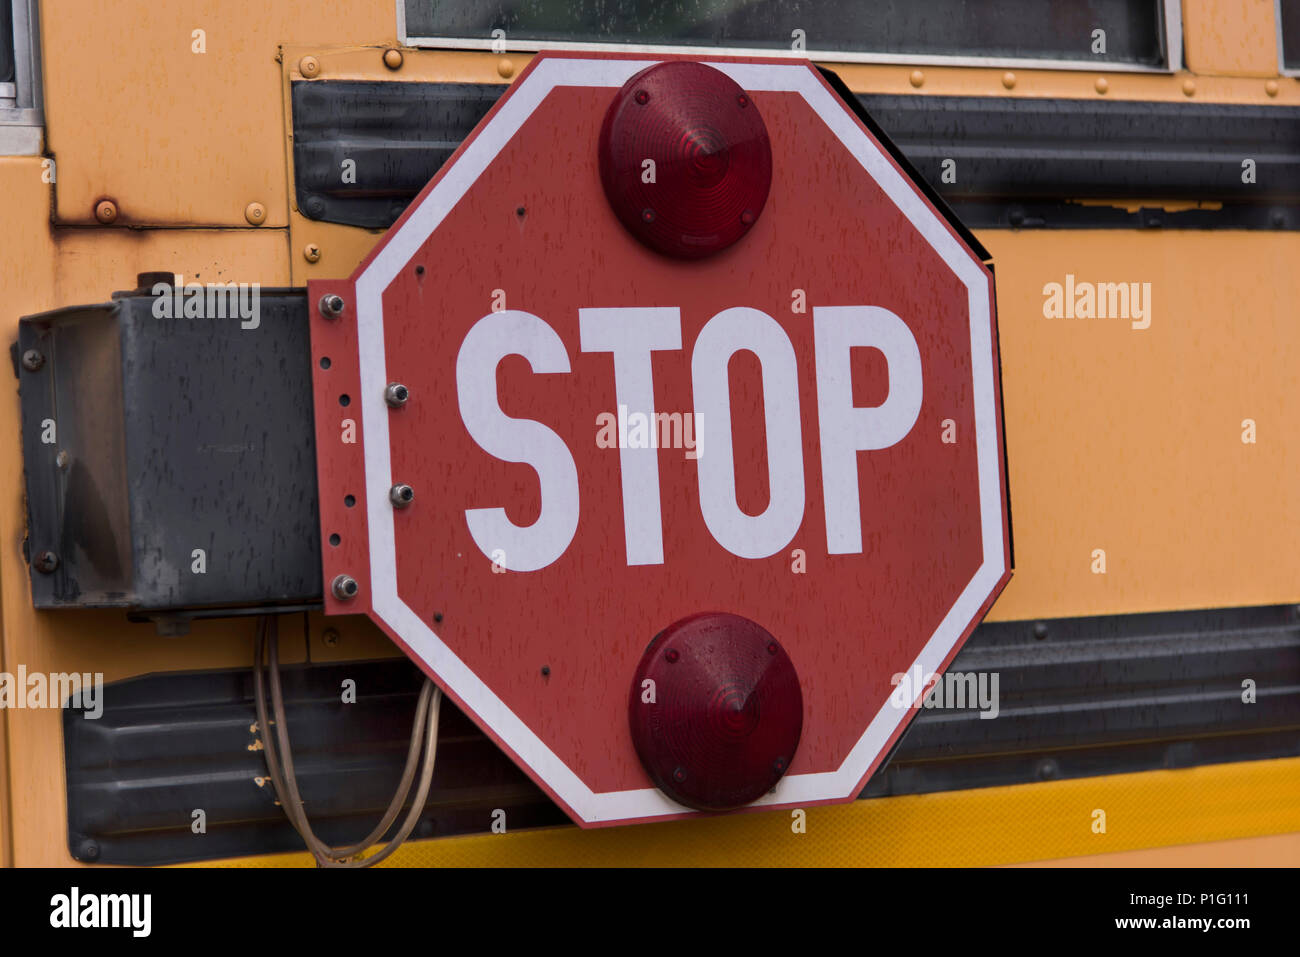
(363, 150)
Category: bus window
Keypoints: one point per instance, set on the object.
(1288, 36)
(1133, 34)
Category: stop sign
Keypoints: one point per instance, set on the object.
(582, 450)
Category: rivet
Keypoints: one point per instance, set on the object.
(401, 495)
(106, 211)
(1008, 79)
(505, 68)
(309, 66)
(393, 59)
(344, 587)
(33, 360)
(917, 78)
(255, 213)
(331, 306)
(311, 253)
(1040, 630)
(1189, 86)
(62, 459)
(1271, 88)
(1101, 84)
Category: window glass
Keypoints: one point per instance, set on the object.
(1004, 29)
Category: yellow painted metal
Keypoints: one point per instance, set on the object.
(176, 136)
(1230, 37)
(1274, 850)
(988, 826)
(1130, 440)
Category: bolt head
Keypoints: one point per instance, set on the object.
(401, 495)
(331, 306)
(396, 394)
(344, 587)
(32, 360)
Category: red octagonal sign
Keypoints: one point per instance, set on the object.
(547, 436)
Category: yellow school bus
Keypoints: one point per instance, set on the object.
(1132, 167)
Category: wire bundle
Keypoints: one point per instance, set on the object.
(279, 761)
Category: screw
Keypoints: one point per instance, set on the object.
(396, 394)
(309, 67)
(647, 215)
(255, 213)
(106, 211)
(546, 671)
(311, 253)
(779, 765)
(315, 207)
(61, 460)
(1040, 630)
(772, 648)
(331, 306)
(46, 562)
(401, 495)
(747, 217)
(679, 775)
(437, 617)
(32, 360)
(672, 655)
(345, 587)
(642, 97)
(1048, 769)
(89, 851)
(330, 637)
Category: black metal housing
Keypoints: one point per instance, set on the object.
(1017, 162)
(170, 462)
(1077, 697)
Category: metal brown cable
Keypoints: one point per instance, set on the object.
(279, 762)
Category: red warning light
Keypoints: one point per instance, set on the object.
(685, 159)
(716, 711)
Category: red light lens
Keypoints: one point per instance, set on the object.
(685, 159)
(726, 713)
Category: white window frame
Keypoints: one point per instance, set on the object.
(1281, 47)
(1171, 30)
(21, 116)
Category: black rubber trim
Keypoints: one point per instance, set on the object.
(1020, 162)
(1076, 697)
